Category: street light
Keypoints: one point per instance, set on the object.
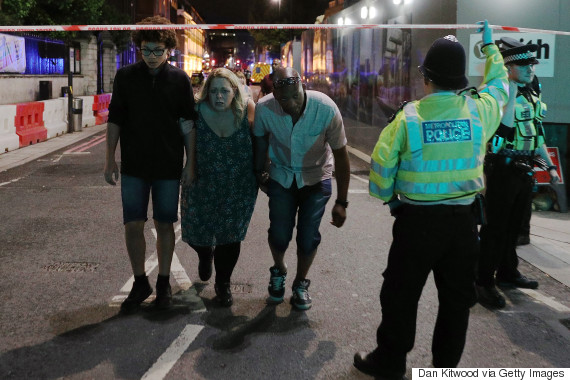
(367, 13)
(279, 1)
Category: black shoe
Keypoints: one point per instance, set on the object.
(489, 296)
(301, 298)
(523, 240)
(368, 364)
(224, 294)
(163, 297)
(205, 266)
(519, 282)
(140, 291)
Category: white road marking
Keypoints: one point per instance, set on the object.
(359, 179)
(363, 156)
(167, 360)
(546, 300)
(357, 191)
(12, 181)
(149, 266)
(178, 273)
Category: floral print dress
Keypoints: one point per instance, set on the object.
(216, 209)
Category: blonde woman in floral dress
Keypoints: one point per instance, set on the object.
(216, 207)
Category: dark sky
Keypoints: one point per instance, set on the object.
(236, 11)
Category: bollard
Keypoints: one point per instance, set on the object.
(77, 114)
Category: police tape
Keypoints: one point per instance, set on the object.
(94, 28)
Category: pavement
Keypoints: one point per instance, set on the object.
(549, 248)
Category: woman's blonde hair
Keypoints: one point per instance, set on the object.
(238, 103)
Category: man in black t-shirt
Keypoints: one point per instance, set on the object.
(151, 114)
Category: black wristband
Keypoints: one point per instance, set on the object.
(551, 167)
(485, 45)
(342, 203)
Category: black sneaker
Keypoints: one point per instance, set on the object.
(276, 286)
(140, 291)
(163, 297)
(489, 296)
(519, 282)
(301, 298)
(205, 265)
(224, 294)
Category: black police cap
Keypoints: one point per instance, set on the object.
(516, 52)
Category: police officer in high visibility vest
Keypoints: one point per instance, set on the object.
(428, 167)
(509, 170)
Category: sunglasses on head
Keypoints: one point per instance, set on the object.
(286, 82)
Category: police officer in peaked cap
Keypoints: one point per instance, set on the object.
(428, 167)
(509, 173)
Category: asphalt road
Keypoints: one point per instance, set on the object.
(65, 269)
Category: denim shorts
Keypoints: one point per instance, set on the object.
(135, 193)
(284, 204)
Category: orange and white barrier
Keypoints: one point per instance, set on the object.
(29, 122)
(101, 108)
(87, 116)
(24, 124)
(54, 117)
(9, 140)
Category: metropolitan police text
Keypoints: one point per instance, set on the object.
(446, 131)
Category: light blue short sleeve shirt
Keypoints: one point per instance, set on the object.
(301, 151)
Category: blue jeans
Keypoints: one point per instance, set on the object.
(309, 202)
(135, 193)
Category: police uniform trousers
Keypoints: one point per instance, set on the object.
(509, 189)
(438, 238)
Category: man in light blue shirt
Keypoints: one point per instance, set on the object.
(304, 134)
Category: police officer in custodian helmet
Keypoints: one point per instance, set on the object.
(428, 167)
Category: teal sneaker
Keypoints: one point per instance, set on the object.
(276, 286)
(301, 298)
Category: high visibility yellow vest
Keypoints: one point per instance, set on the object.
(528, 124)
(433, 150)
(260, 70)
(456, 172)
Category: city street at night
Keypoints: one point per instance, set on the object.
(439, 128)
(65, 271)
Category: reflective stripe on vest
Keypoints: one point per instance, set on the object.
(492, 88)
(417, 164)
(382, 171)
(373, 188)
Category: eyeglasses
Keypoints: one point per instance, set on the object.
(286, 82)
(156, 52)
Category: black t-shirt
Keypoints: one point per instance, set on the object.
(147, 108)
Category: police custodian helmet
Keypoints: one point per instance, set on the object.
(516, 52)
(444, 64)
